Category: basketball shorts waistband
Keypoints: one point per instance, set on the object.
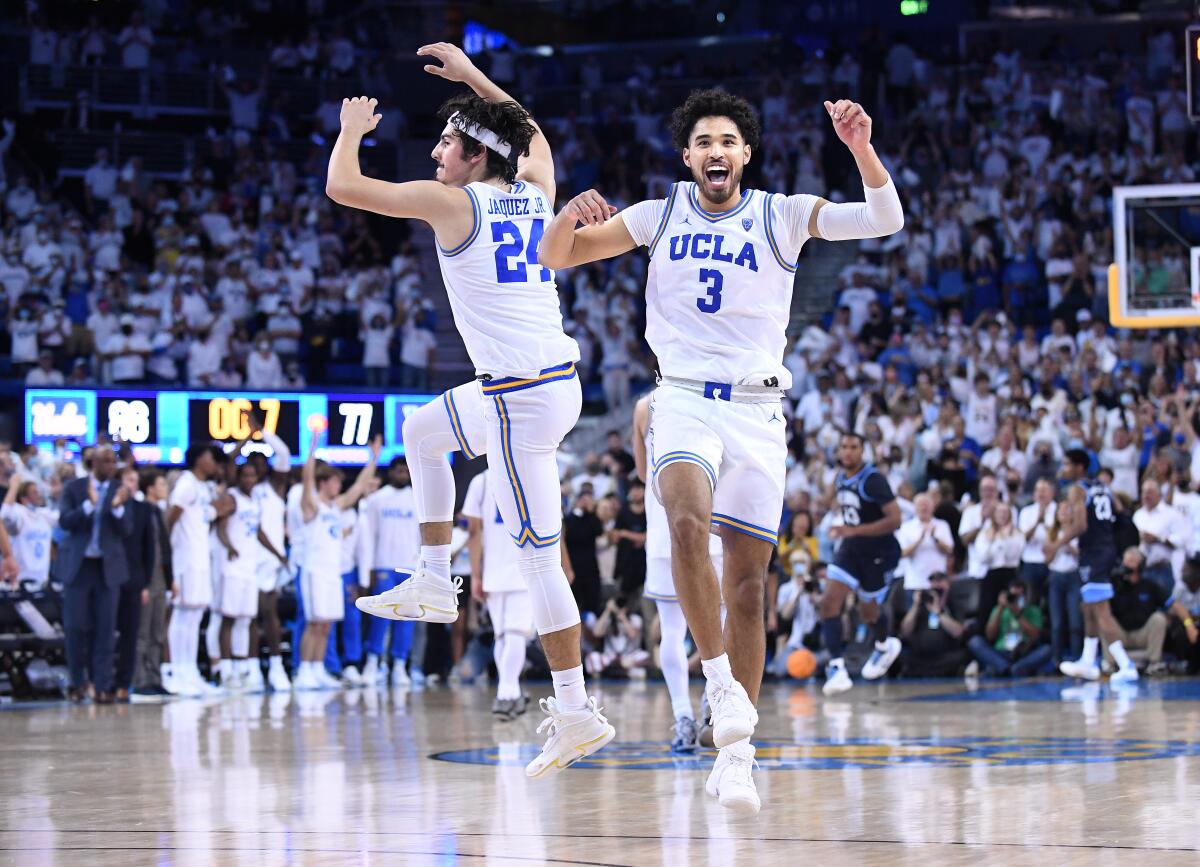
(727, 391)
(505, 385)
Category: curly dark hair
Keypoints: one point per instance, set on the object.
(506, 119)
(714, 103)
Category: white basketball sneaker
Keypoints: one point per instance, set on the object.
(837, 679)
(422, 597)
(327, 680)
(733, 715)
(400, 678)
(277, 676)
(254, 677)
(351, 677)
(574, 734)
(881, 659)
(1124, 675)
(1080, 669)
(176, 684)
(731, 781)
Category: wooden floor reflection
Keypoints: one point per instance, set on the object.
(923, 774)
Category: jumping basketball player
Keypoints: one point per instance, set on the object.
(868, 553)
(672, 645)
(1094, 523)
(488, 207)
(718, 296)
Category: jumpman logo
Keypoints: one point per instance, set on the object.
(774, 416)
(686, 221)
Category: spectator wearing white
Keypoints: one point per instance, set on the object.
(124, 354)
(100, 180)
(23, 329)
(982, 412)
(264, 371)
(54, 328)
(1034, 522)
(283, 327)
(376, 338)
(298, 275)
(293, 377)
(976, 518)
(1122, 459)
(926, 544)
(1004, 455)
(1000, 546)
(245, 100)
(614, 365)
(1162, 533)
(136, 41)
(14, 276)
(416, 352)
(204, 358)
(21, 199)
(93, 43)
(45, 373)
(29, 523)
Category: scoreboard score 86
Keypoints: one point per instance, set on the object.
(160, 425)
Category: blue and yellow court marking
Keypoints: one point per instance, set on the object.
(825, 754)
(1066, 690)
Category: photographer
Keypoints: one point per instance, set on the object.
(619, 635)
(933, 637)
(1011, 642)
(1141, 607)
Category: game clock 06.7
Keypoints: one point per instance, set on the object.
(226, 419)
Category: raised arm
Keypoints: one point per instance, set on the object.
(538, 167)
(447, 209)
(308, 482)
(350, 496)
(881, 213)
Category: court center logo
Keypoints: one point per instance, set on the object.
(820, 754)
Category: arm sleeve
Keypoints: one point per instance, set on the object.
(281, 461)
(642, 220)
(881, 214)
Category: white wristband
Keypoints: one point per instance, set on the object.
(881, 214)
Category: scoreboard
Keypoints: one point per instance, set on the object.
(159, 425)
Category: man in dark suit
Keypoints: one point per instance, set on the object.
(92, 565)
(140, 552)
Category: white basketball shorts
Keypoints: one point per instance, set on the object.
(741, 447)
(324, 596)
(239, 594)
(511, 613)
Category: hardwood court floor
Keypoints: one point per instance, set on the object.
(914, 773)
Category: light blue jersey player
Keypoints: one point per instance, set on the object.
(718, 301)
(490, 202)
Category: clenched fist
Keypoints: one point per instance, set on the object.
(851, 123)
(358, 115)
(590, 208)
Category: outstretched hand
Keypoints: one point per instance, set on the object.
(851, 123)
(358, 115)
(456, 66)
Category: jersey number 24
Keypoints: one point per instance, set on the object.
(509, 267)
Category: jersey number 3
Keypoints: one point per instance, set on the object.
(713, 283)
(509, 268)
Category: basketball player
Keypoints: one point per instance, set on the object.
(490, 202)
(321, 503)
(672, 644)
(241, 536)
(496, 582)
(30, 524)
(396, 545)
(718, 296)
(193, 508)
(269, 494)
(1093, 521)
(868, 553)
(356, 579)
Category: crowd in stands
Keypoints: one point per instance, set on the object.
(971, 350)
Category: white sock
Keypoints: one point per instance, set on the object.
(510, 660)
(436, 560)
(1091, 645)
(212, 637)
(1117, 649)
(672, 654)
(225, 669)
(717, 669)
(569, 688)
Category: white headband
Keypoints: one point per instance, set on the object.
(481, 134)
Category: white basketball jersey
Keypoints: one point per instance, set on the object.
(397, 532)
(31, 543)
(296, 530)
(241, 528)
(719, 286)
(272, 509)
(323, 542)
(500, 571)
(505, 304)
(349, 540)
